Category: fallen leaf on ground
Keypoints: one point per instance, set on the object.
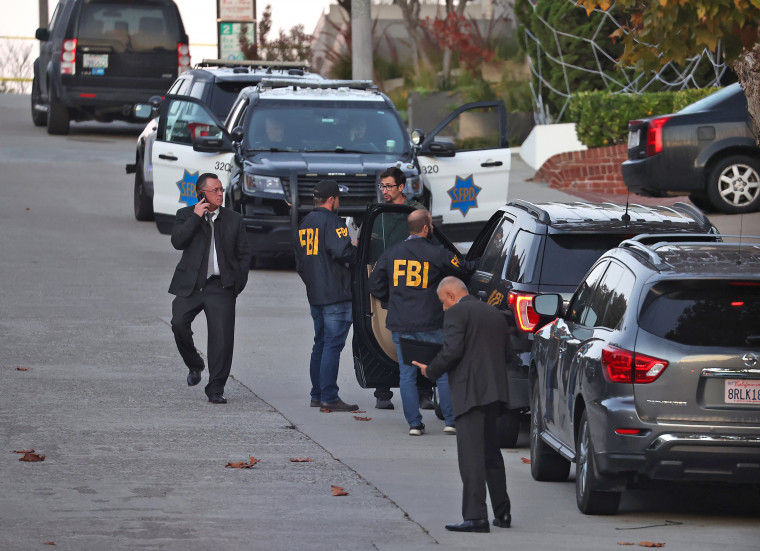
(243, 464)
(359, 411)
(525, 460)
(338, 491)
(325, 410)
(650, 544)
(47, 542)
(362, 418)
(626, 543)
(22, 369)
(301, 460)
(23, 451)
(31, 457)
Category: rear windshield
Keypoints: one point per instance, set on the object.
(129, 26)
(568, 257)
(731, 96)
(704, 313)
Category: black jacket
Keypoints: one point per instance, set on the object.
(474, 354)
(323, 254)
(406, 276)
(192, 235)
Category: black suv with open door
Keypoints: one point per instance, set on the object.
(98, 58)
(524, 249)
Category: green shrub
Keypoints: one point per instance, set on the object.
(602, 117)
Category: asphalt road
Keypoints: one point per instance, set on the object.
(135, 458)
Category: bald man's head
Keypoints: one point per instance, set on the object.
(418, 220)
(450, 290)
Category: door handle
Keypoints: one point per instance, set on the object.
(167, 157)
(491, 163)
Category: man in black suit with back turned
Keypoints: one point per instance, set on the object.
(210, 275)
(474, 355)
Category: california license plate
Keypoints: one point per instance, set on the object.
(633, 139)
(95, 61)
(742, 391)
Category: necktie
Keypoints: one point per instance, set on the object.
(210, 269)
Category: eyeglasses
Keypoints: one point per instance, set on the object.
(387, 186)
(215, 190)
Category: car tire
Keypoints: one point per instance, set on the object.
(437, 405)
(39, 117)
(509, 428)
(143, 204)
(546, 464)
(57, 117)
(591, 500)
(733, 185)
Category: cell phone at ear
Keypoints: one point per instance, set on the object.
(201, 196)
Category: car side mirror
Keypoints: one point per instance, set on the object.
(143, 111)
(210, 144)
(237, 134)
(440, 149)
(548, 305)
(42, 34)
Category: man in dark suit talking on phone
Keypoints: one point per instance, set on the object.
(210, 275)
(474, 355)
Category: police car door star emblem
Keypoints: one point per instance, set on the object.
(464, 194)
(187, 188)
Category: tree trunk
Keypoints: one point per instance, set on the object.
(747, 67)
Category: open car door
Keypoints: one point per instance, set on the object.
(375, 359)
(190, 141)
(464, 163)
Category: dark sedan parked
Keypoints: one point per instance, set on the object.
(706, 150)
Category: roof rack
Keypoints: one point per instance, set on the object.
(639, 243)
(318, 84)
(538, 212)
(253, 63)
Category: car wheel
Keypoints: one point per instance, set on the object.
(509, 428)
(591, 501)
(143, 204)
(545, 463)
(734, 185)
(57, 116)
(39, 117)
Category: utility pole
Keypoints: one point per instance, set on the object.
(44, 18)
(361, 40)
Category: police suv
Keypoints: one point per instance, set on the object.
(284, 135)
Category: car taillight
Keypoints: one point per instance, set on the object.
(69, 57)
(522, 306)
(624, 366)
(654, 135)
(183, 58)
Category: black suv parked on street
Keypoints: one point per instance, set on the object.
(651, 372)
(524, 249)
(100, 57)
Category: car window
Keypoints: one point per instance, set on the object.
(174, 88)
(223, 96)
(728, 95)
(607, 305)
(325, 126)
(197, 89)
(495, 247)
(133, 26)
(580, 303)
(521, 261)
(704, 312)
(389, 228)
(472, 129)
(187, 121)
(235, 118)
(567, 257)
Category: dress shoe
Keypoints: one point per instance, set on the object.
(217, 399)
(504, 521)
(339, 405)
(383, 404)
(479, 525)
(315, 404)
(426, 403)
(194, 377)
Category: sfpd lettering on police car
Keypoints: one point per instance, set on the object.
(464, 194)
(187, 188)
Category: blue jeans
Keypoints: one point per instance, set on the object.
(331, 325)
(410, 399)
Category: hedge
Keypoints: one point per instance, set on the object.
(602, 117)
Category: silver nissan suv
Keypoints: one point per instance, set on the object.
(652, 370)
